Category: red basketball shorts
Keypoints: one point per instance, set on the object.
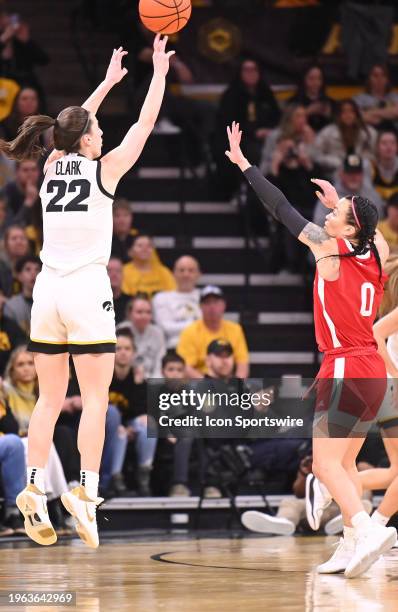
(351, 388)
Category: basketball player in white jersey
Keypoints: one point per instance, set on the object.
(72, 301)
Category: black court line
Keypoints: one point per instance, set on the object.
(160, 557)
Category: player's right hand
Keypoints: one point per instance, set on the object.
(161, 59)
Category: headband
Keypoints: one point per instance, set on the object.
(355, 212)
(83, 131)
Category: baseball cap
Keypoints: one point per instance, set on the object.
(353, 164)
(211, 290)
(220, 347)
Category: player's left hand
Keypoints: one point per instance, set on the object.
(329, 197)
(115, 71)
(161, 59)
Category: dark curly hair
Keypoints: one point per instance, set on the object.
(363, 215)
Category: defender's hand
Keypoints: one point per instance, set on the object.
(329, 197)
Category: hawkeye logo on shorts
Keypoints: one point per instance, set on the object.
(108, 306)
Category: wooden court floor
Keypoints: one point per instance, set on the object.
(184, 574)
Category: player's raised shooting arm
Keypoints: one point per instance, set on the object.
(118, 161)
(114, 75)
(276, 203)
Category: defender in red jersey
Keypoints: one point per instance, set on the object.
(344, 313)
(348, 291)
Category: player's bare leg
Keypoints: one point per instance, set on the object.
(53, 376)
(364, 540)
(94, 373)
(329, 455)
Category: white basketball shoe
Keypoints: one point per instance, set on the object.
(317, 499)
(33, 505)
(340, 558)
(370, 543)
(83, 509)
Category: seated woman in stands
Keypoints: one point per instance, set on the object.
(348, 134)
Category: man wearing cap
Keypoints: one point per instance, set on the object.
(351, 179)
(195, 338)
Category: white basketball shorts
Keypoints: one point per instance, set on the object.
(73, 313)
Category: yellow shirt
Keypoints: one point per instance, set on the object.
(158, 278)
(390, 236)
(195, 339)
(21, 400)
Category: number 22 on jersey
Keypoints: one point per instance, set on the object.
(74, 205)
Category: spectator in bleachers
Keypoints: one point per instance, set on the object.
(19, 306)
(379, 103)
(12, 468)
(7, 170)
(174, 310)
(173, 371)
(250, 101)
(128, 392)
(123, 230)
(120, 299)
(383, 169)
(220, 381)
(11, 336)
(389, 225)
(148, 338)
(312, 95)
(21, 392)
(144, 274)
(19, 54)
(351, 179)
(290, 145)
(23, 193)
(288, 162)
(348, 134)
(26, 104)
(16, 245)
(194, 339)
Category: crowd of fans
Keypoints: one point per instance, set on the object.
(167, 328)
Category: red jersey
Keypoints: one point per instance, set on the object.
(345, 309)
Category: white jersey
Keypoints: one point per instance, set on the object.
(77, 215)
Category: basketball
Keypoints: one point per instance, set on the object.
(165, 16)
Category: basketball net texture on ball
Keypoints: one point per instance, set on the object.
(165, 16)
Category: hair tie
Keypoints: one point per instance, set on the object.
(355, 212)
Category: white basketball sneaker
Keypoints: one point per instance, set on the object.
(317, 499)
(259, 522)
(83, 509)
(33, 505)
(340, 558)
(370, 543)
